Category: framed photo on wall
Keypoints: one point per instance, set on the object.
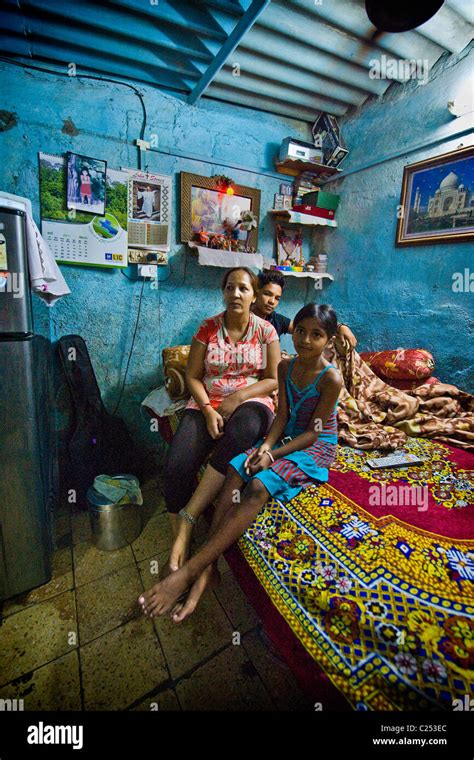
(205, 207)
(86, 183)
(437, 200)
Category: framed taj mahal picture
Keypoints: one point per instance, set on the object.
(437, 200)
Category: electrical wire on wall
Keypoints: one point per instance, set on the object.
(131, 348)
(96, 78)
(139, 162)
(142, 134)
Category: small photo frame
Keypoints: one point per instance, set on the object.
(286, 189)
(85, 183)
(278, 202)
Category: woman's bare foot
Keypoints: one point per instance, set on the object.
(162, 597)
(181, 546)
(208, 579)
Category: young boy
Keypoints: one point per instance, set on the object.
(270, 291)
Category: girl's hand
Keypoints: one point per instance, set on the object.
(214, 422)
(258, 460)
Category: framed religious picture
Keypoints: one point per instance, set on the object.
(437, 200)
(149, 211)
(217, 209)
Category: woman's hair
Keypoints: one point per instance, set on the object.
(252, 277)
(324, 313)
(266, 278)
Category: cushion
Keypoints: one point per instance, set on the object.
(174, 364)
(401, 364)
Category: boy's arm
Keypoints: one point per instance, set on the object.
(343, 331)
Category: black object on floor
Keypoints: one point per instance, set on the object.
(100, 443)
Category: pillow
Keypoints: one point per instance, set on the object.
(401, 364)
(174, 363)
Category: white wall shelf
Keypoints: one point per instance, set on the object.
(296, 217)
(215, 257)
(317, 276)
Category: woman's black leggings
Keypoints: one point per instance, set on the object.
(192, 443)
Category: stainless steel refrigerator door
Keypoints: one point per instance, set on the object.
(25, 543)
(15, 299)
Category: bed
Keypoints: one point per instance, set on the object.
(366, 584)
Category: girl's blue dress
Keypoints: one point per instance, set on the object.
(286, 477)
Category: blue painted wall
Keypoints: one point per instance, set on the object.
(103, 305)
(402, 296)
(390, 297)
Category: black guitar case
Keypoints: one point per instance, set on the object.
(100, 442)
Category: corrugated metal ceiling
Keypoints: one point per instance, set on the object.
(289, 57)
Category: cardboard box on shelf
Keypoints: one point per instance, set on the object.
(323, 213)
(297, 149)
(322, 199)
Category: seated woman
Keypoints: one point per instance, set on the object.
(297, 452)
(231, 374)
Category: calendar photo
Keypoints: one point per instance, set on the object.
(86, 183)
(78, 237)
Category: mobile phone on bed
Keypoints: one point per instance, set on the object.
(401, 459)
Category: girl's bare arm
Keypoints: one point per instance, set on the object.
(330, 388)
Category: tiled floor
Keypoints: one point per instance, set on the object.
(81, 642)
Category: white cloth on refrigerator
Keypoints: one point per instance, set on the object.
(46, 279)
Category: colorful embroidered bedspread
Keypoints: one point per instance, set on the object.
(379, 588)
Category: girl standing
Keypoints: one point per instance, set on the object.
(85, 188)
(296, 453)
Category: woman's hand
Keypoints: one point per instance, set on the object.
(229, 404)
(214, 422)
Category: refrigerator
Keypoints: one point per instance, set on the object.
(28, 444)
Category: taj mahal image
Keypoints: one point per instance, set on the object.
(451, 198)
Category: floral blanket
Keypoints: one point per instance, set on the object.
(374, 415)
(380, 597)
